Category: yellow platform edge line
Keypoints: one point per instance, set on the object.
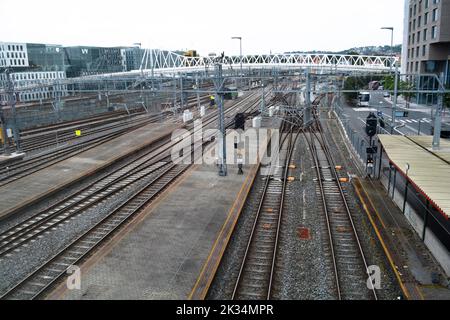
(230, 213)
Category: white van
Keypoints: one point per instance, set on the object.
(364, 98)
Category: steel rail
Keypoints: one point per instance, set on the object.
(327, 152)
(251, 240)
(17, 286)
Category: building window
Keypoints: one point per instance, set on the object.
(417, 66)
(418, 36)
(424, 49)
(425, 34)
(419, 20)
(433, 32)
(413, 38)
(412, 52)
(425, 18)
(426, 4)
(415, 9)
(417, 51)
(414, 24)
(435, 14)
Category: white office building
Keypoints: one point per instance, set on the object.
(28, 78)
(13, 55)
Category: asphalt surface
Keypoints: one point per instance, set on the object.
(417, 122)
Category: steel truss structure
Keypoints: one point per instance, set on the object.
(167, 62)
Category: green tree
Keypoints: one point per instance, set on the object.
(408, 91)
(357, 83)
(388, 82)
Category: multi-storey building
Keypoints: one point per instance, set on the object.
(428, 37)
(82, 60)
(32, 65)
(13, 55)
(132, 58)
(45, 57)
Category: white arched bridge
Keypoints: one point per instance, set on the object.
(160, 62)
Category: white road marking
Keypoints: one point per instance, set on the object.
(401, 121)
(364, 109)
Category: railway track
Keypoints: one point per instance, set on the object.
(256, 274)
(94, 194)
(348, 260)
(37, 143)
(19, 169)
(91, 139)
(40, 280)
(159, 173)
(38, 139)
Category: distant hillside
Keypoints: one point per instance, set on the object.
(367, 50)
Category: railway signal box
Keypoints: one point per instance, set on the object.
(371, 124)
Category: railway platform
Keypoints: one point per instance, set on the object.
(417, 179)
(174, 246)
(25, 191)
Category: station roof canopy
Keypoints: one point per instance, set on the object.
(429, 170)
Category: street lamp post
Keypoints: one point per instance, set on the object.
(240, 50)
(392, 40)
(394, 102)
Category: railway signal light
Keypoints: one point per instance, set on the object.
(370, 162)
(371, 124)
(239, 121)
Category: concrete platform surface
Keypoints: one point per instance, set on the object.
(28, 189)
(161, 255)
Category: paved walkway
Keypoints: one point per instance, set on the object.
(161, 256)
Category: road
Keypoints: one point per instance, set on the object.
(418, 120)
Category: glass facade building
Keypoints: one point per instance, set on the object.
(45, 57)
(80, 61)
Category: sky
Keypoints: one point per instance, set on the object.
(204, 25)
